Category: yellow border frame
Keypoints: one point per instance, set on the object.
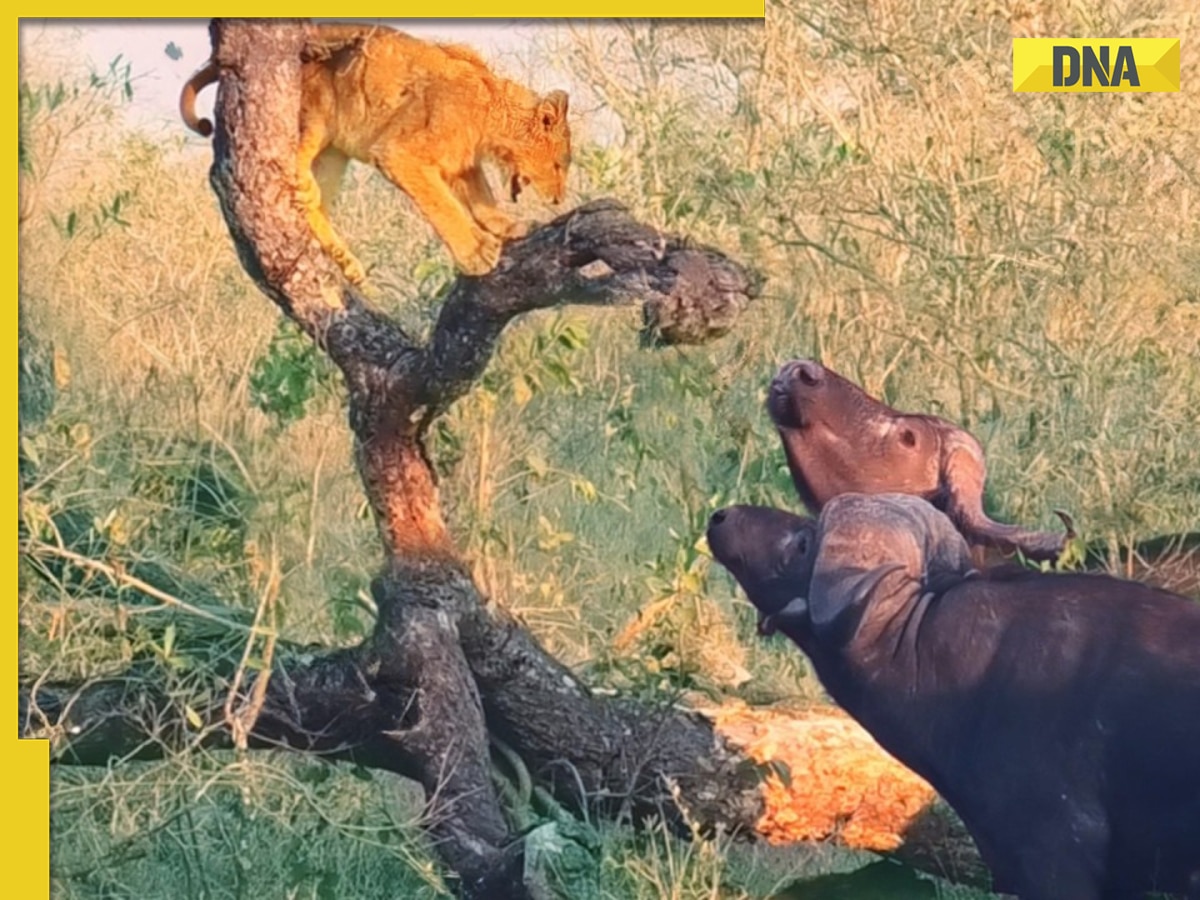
(25, 764)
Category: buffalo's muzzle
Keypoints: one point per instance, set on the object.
(805, 371)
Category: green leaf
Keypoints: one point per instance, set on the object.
(30, 450)
(193, 717)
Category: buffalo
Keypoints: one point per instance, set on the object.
(1057, 713)
(839, 439)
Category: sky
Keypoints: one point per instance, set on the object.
(158, 78)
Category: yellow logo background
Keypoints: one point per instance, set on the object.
(1157, 61)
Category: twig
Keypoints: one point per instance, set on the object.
(126, 580)
(242, 721)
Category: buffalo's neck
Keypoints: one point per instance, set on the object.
(798, 463)
(878, 674)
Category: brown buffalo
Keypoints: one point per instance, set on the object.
(1059, 714)
(839, 439)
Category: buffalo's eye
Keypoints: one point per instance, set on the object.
(792, 547)
(908, 437)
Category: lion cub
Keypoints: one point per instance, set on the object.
(426, 116)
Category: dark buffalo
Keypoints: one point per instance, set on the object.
(839, 439)
(1059, 714)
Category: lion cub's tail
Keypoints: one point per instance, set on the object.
(187, 100)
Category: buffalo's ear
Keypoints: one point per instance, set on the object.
(799, 552)
(837, 591)
(796, 546)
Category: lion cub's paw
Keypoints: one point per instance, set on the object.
(354, 272)
(516, 231)
(483, 257)
(350, 266)
(497, 223)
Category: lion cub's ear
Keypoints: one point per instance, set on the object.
(553, 109)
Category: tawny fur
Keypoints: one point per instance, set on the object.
(427, 116)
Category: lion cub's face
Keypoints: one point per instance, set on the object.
(542, 161)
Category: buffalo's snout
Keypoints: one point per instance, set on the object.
(807, 372)
(785, 396)
(721, 534)
(810, 373)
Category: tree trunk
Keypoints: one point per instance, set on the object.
(442, 669)
(438, 658)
